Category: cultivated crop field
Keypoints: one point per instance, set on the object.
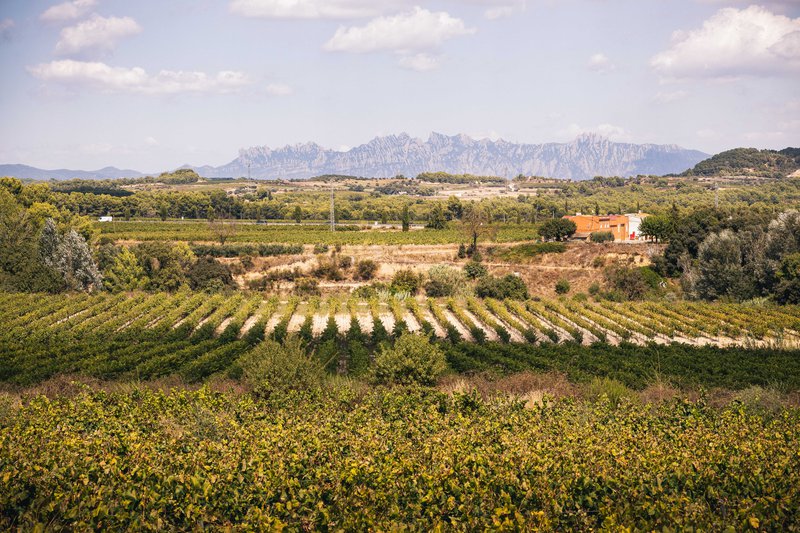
(152, 460)
(196, 335)
(300, 233)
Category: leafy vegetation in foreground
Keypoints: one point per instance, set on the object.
(403, 457)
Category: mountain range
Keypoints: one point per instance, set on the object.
(33, 173)
(587, 156)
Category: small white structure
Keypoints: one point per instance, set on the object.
(106, 219)
(634, 221)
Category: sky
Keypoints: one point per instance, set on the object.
(152, 85)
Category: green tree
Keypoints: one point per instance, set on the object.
(405, 218)
(125, 273)
(298, 214)
(657, 227)
(436, 217)
(412, 360)
(557, 229)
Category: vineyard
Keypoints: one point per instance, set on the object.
(248, 232)
(146, 336)
(404, 458)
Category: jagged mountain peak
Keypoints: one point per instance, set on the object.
(589, 155)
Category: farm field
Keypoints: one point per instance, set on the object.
(346, 233)
(146, 459)
(144, 336)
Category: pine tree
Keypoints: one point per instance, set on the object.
(125, 273)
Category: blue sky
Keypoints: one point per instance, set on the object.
(151, 85)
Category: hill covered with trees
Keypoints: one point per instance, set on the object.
(749, 162)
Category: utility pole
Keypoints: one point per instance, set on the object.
(333, 211)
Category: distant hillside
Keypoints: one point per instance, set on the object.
(585, 157)
(26, 172)
(749, 162)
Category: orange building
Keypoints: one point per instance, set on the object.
(618, 225)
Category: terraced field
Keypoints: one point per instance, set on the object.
(144, 336)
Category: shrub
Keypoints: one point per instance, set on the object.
(328, 268)
(445, 281)
(365, 269)
(462, 251)
(594, 289)
(632, 283)
(345, 262)
(405, 280)
(412, 360)
(610, 389)
(320, 248)
(475, 270)
(306, 287)
(273, 369)
(508, 286)
(209, 274)
(601, 236)
(562, 286)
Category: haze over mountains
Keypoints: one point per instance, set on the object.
(587, 156)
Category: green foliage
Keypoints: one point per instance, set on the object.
(558, 229)
(144, 458)
(208, 274)
(125, 273)
(631, 282)
(437, 219)
(509, 286)
(721, 269)
(405, 281)
(412, 360)
(366, 269)
(446, 281)
(70, 257)
(562, 286)
(610, 390)
(601, 236)
(748, 161)
(475, 270)
(444, 177)
(657, 227)
(306, 287)
(276, 369)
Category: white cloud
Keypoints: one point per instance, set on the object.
(310, 9)
(600, 63)
(97, 32)
(421, 62)
(136, 80)
(68, 10)
(667, 97)
(278, 89)
(733, 43)
(151, 141)
(418, 29)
